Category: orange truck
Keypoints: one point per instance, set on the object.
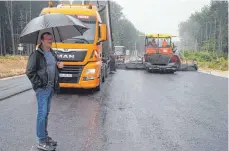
(86, 57)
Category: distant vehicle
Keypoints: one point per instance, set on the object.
(120, 53)
(127, 52)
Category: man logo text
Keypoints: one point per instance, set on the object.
(66, 56)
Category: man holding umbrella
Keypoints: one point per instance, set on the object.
(43, 64)
(42, 69)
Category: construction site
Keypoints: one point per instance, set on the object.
(90, 80)
(157, 57)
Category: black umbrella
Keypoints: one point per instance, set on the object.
(61, 26)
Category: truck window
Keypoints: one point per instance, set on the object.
(88, 37)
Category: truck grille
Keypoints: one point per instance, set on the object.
(74, 70)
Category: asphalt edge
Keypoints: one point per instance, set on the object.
(14, 94)
(209, 72)
(13, 77)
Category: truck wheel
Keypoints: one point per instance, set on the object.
(58, 91)
(148, 70)
(106, 72)
(103, 79)
(103, 75)
(172, 72)
(98, 88)
(196, 67)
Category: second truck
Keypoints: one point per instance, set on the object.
(86, 58)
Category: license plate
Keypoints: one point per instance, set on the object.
(65, 75)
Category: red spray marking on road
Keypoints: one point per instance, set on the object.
(91, 127)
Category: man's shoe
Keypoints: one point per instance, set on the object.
(51, 141)
(45, 146)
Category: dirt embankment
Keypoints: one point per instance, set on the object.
(16, 65)
(12, 65)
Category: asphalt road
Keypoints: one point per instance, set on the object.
(135, 111)
(13, 86)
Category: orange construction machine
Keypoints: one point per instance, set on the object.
(160, 53)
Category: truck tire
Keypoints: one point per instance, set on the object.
(106, 72)
(98, 88)
(172, 72)
(148, 70)
(103, 78)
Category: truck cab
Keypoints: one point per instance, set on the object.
(81, 55)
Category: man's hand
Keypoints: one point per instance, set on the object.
(60, 64)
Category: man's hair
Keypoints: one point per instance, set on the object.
(45, 33)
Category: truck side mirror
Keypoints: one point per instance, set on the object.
(103, 32)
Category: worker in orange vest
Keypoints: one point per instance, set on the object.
(164, 43)
(153, 43)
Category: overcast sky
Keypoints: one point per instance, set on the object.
(159, 16)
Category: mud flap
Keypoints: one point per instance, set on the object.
(188, 67)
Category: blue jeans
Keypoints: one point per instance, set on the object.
(44, 97)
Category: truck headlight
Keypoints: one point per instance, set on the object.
(90, 71)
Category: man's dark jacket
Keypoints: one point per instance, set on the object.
(36, 70)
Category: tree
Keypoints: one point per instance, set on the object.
(9, 8)
(208, 29)
(124, 32)
(11, 24)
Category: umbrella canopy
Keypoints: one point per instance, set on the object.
(61, 26)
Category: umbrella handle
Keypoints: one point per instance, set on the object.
(37, 38)
(54, 36)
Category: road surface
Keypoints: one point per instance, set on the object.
(134, 111)
(13, 86)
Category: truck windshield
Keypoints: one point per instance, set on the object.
(88, 36)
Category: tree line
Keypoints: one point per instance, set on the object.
(14, 15)
(206, 30)
(124, 32)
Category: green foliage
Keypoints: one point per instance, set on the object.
(208, 59)
(207, 30)
(208, 45)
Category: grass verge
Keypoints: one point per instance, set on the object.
(12, 65)
(208, 60)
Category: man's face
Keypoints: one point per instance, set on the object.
(47, 41)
